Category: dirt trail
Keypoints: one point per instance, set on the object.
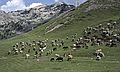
(54, 28)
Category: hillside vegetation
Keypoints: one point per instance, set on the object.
(75, 21)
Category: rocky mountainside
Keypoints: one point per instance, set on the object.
(21, 21)
(101, 4)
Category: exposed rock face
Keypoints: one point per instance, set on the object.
(100, 4)
(21, 21)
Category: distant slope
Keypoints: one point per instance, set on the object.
(22, 21)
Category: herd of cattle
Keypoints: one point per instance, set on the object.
(107, 34)
(37, 49)
(103, 34)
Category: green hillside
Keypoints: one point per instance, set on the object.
(65, 25)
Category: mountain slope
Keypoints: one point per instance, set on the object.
(66, 25)
(101, 4)
(21, 21)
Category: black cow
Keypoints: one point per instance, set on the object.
(59, 59)
(52, 59)
(66, 47)
(54, 49)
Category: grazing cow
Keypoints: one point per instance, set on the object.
(66, 47)
(108, 24)
(52, 59)
(69, 57)
(38, 60)
(100, 25)
(73, 39)
(55, 41)
(44, 48)
(114, 22)
(57, 55)
(16, 52)
(113, 44)
(74, 49)
(67, 38)
(33, 44)
(54, 49)
(59, 59)
(36, 52)
(34, 41)
(23, 44)
(101, 54)
(9, 52)
(35, 57)
(49, 52)
(21, 51)
(98, 58)
(75, 35)
(34, 48)
(27, 56)
(60, 45)
(17, 44)
(23, 48)
(64, 55)
(40, 54)
(29, 50)
(97, 52)
(74, 45)
(53, 44)
(62, 42)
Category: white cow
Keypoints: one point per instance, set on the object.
(27, 56)
(57, 55)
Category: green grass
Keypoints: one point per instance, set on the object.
(81, 62)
